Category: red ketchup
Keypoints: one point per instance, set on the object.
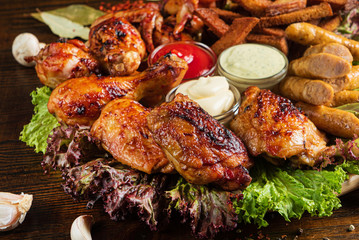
(200, 58)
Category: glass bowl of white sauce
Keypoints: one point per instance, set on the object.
(214, 94)
(252, 64)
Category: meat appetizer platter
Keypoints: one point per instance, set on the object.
(217, 114)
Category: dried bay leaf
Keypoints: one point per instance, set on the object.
(78, 13)
(64, 27)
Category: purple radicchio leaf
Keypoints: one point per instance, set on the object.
(207, 209)
(123, 190)
(70, 146)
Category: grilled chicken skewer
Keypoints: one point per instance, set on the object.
(198, 146)
(80, 100)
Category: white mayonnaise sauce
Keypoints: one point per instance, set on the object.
(211, 93)
(252, 61)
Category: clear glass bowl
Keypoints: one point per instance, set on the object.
(207, 50)
(242, 84)
(223, 118)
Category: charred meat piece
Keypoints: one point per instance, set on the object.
(122, 131)
(80, 100)
(198, 146)
(117, 45)
(60, 61)
(271, 125)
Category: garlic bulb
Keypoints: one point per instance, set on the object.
(13, 209)
(81, 228)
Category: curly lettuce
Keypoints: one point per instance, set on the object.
(289, 192)
(208, 210)
(42, 123)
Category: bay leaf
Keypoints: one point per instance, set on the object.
(64, 27)
(79, 13)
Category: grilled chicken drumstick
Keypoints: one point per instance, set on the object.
(60, 61)
(199, 147)
(123, 132)
(80, 100)
(271, 125)
(117, 45)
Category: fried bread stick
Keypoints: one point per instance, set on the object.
(236, 34)
(306, 14)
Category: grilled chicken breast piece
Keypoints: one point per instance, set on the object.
(271, 125)
(122, 131)
(80, 100)
(199, 147)
(117, 45)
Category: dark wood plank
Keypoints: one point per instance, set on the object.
(53, 211)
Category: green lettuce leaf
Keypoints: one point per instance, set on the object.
(42, 123)
(289, 192)
(78, 13)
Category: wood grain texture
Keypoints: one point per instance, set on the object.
(53, 211)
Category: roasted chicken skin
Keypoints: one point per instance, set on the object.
(80, 100)
(122, 131)
(271, 125)
(198, 146)
(117, 45)
(60, 61)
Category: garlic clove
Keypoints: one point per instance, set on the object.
(13, 209)
(25, 45)
(81, 228)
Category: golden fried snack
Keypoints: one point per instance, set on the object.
(226, 15)
(332, 48)
(255, 7)
(320, 65)
(277, 32)
(122, 131)
(330, 23)
(306, 14)
(315, 92)
(335, 4)
(337, 122)
(284, 6)
(211, 19)
(344, 97)
(274, 41)
(236, 34)
(308, 34)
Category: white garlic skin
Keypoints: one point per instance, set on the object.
(13, 209)
(26, 45)
(81, 228)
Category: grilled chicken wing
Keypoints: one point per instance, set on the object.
(123, 132)
(199, 147)
(271, 125)
(117, 45)
(80, 100)
(60, 61)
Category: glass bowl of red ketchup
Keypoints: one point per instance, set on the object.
(200, 58)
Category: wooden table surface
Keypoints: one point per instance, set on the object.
(53, 211)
